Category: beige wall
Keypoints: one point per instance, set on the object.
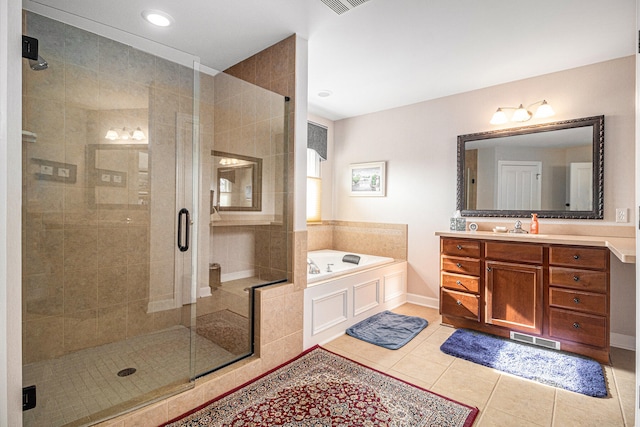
(418, 142)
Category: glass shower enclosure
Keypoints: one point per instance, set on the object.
(138, 276)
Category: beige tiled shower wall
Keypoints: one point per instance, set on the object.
(89, 273)
(371, 238)
(274, 69)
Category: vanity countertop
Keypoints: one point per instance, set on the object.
(624, 248)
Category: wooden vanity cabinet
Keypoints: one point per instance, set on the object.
(556, 292)
(460, 278)
(578, 308)
(514, 286)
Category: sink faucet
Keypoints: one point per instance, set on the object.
(313, 268)
(517, 228)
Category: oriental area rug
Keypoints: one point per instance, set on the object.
(320, 388)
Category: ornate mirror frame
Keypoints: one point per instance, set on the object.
(597, 211)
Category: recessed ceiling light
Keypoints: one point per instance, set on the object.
(324, 93)
(157, 17)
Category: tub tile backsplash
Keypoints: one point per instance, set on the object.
(380, 239)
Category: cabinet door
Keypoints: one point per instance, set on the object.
(514, 296)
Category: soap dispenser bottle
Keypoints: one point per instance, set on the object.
(534, 224)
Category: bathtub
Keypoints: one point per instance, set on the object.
(325, 257)
(336, 300)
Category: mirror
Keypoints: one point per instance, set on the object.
(118, 176)
(554, 169)
(238, 182)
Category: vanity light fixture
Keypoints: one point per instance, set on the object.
(522, 114)
(125, 134)
(157, 17)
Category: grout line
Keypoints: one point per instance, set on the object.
(615, 383)
(555, 405)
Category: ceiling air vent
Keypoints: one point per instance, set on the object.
(342, 6)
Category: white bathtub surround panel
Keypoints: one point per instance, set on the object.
(331, 306)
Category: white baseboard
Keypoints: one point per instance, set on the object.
(237, 275)
(627, 342)
(204, 291)
(424, 301)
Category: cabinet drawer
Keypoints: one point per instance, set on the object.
(460, 282)
(577, 327)
(459, 304)
(460, 247)
(460, 265)
(519, 252)
(579, 301)
(586, 280)
(577, 256)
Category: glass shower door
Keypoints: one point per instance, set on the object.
(108, 301)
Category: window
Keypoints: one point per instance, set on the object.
(314, 187)
(316, 152)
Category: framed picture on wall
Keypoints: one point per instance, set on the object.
(367, 179)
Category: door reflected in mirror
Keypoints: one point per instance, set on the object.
(554, 169)
(238, 182)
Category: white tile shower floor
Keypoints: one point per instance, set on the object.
(77, 386)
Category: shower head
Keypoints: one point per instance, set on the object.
(38, 65)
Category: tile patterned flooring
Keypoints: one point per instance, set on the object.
(503, 400)
(75, 387)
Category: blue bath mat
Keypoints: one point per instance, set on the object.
(550, 367)
(387, 329)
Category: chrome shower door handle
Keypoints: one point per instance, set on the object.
(184, 212)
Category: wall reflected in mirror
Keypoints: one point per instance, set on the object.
(554, 169)
(118, 175)
(238, 182)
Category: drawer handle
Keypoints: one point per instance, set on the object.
(576, 300)
(459, 247)
(576, 278)
(458, 282)
(459, 302)
(488, 268)
(576, 257)
(458, 265)
(576, 325)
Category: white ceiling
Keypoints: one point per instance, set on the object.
(388, 53)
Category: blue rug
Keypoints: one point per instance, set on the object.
(387, 329)
(550, 367)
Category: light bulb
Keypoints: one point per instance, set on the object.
(544, 110)
(111, 135)
(499, 117)
(138, 135)
(521, 115)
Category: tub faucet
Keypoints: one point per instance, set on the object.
(329, 270)
(313, 268)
